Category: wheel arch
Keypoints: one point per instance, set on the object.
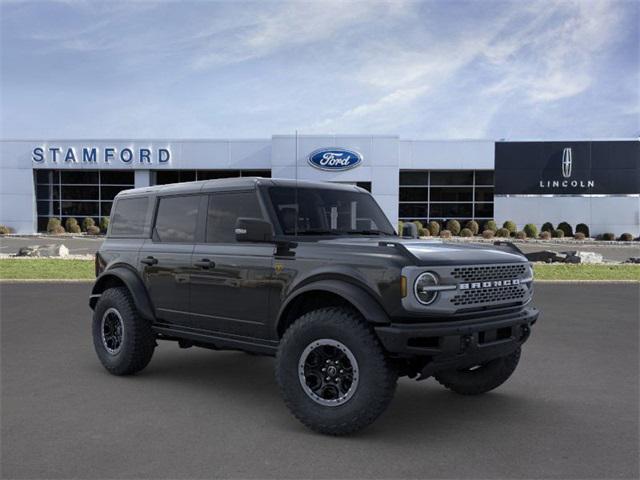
(328, 293)
(122, 276)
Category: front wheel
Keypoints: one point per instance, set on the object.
(480, 378)
(333, 373)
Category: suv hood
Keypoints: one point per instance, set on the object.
(435, 252)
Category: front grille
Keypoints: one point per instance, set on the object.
(511, 293)
(489, 272)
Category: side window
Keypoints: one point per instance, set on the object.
(176, 219)
(129, 216)
(224, 210)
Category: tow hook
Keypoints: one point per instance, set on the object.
(465, 341)
(525, 333)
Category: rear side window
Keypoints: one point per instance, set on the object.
(128, 218)
(224, 210)
(176, 219)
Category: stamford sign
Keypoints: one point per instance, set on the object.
(94, 155)
(334, 159)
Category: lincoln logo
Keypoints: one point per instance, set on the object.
(491, 284)
(567, 160)
(334, 159)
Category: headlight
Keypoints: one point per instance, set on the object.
(426, 288)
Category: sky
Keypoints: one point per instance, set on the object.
(420, 70)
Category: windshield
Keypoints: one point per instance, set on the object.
(318, 211)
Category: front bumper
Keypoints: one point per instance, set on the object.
(459, 344)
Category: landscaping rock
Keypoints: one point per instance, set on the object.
(632, 260)
(584, 257)
(52, 250)
(546, 256)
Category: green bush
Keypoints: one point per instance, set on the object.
(503, 233)
(491, 225)
(104, 224)
(4, 230)
(626, 237)
(608, 236)
(557, 233)
(445, 234)
(400, 225)
(545, 235)
(71, 225)
(579, 236)
(88, 222)
(434, 228)
(57, 230)
(521, 235)
(453, 226)
(93, 230)
(531, 230)
(424, 232)
(488, 234)
(511, 226)
(566, 228)
(473, 226)
(52, 224)
(583, 228)
(547, 227)
(466, 232)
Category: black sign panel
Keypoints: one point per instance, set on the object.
(553, 168)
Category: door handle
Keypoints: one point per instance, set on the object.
(149, 261)
(204, 263)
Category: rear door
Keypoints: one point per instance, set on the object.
(230, 289)
(166, 257)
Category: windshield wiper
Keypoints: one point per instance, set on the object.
(318, 232)
(368, 232)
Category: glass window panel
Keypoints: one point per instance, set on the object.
(214, 174)
(416, 194)
(42, 224)
(80, 192)
(414, 210)
(484, 194)
(43, 208)
(129, 218)
(224, 210)
(80, 209)
(256, 173)
(484, 210)
(117, 177)
(43, 191)
(167, 176)
(176, 219)
(484, 177)
(414, 178)
(42, 176)
(56, 207)
(449, 194)
(109, 192)
(365, 185)
(105, 209)
(453, 177)
(74, 177)
(188, 176)
(451, 210)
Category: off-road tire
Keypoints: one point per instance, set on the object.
(377, 377)
(138, 342)
(481, 380)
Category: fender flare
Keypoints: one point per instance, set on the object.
(363, 301)
(132, 281)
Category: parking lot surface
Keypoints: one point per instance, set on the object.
(569, 411)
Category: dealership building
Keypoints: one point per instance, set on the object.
(596, 182)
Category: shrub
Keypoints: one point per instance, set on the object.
(93, 230)
(466, 232)
(557, 233)
(473, 226)
(503, 233)
(52, 224)
(626, 237)
(4, 229)
(445, 234)
(531, 230)
(424, 232)
(488, 234)
(104, 224)
(400, 225)
(511, 226)
(88, 222)
(57, 230)
(583, 228)
(453, 226)
(71, 225)
(579, 236)
(608, 236)
(547, 227)
(434, 228)
(566, 228)
(545, 235)
(521, 235)
(491, 225)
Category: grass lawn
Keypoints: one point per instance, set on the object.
(84, 269)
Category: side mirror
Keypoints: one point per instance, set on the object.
(254, 230)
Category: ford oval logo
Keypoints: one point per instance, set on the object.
(334, 159)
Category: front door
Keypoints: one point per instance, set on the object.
(230, 289)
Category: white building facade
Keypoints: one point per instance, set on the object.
(528, 182)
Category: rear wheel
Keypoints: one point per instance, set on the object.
(480, 378)
(333, 373)
(122, 339)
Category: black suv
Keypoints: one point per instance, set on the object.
(315, 275)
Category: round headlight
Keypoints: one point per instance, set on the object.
(423, 288)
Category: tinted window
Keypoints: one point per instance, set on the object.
(128, 219)
(224, 210)
(176, 219)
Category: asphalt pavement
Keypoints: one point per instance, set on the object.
(570, 410)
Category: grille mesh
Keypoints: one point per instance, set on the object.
(490, 272)
(490, 295)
